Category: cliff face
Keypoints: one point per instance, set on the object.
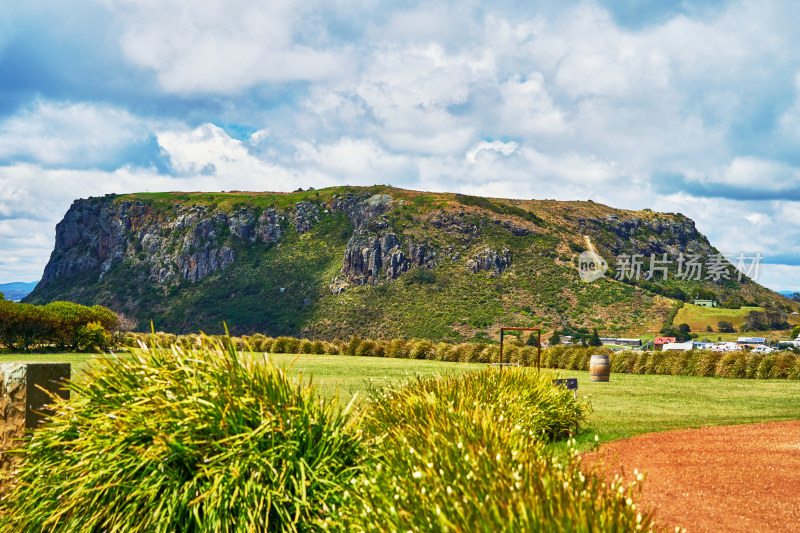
(359, 260)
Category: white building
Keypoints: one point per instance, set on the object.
(678, 346)
(726, 347)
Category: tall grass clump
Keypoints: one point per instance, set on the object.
(207, 440)
(466, 453)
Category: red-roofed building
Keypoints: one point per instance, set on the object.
(661, 341)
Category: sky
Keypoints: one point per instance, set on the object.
(690, 107)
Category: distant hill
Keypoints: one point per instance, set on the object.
(16, 290)
(788, 294)
(374, 261)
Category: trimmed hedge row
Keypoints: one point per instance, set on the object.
(466, 352)
(742, 364)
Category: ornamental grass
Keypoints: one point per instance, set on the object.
(197, 440)
(467, 454)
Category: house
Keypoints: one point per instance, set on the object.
(763, 349)
(678, 346)
(661, 341)
(621, 342)
(725, 347)
(699, 345)
(706, 303)
(751, 341)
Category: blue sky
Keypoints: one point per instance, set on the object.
(674, 106)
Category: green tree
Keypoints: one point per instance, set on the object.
(555, 338)
(723, 326)
(533, 339)
(795, 331)
(594, 340)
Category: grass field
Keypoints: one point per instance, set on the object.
(699, 318)
(628, 405)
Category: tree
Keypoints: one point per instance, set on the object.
(709, 328)
(755, 320)
(555, 338)
(533, 339)
(2, 296)
(684, 328)
(723, 326)
(594, 340)
(796, 296)
(796, 331)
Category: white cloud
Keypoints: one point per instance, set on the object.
(59, 133)
(753, 173)
(222, 45)
(494, 146)
(353, 161)
(208, 150)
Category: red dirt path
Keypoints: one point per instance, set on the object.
(726, 478)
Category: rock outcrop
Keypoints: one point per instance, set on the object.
(369, 258)
(192, 242)
(490, 261)
(646, 236)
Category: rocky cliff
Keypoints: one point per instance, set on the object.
(372, 260)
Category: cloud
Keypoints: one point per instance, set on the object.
(222, 46)
(353, 161)
(494, 146)
(75, 134)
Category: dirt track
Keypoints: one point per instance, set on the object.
(726, 478)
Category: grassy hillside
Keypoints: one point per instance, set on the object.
(300, 282)
(699, 318)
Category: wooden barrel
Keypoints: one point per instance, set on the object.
(599, 368)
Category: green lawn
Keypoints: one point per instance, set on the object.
(628, 405)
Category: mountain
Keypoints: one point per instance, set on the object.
(377, 261)
(16, 290)
(788, 294)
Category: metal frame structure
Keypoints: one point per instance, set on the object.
(538, 344)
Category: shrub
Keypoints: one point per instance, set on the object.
(397, 349)
(352, 346)
(465, 454)
(168, 440)
(474, 352)
(365, 349)
(732, 365)
(707, 363)
(317, 347)
(782, 367)
(334, 348)
(421, 349)
(753, 364)
(285, 345)
(306, 347)
(443, 352)
(380, 349)
(92, 337)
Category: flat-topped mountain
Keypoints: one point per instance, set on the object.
(377, 261)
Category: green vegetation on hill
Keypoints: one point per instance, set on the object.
(316, 263)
